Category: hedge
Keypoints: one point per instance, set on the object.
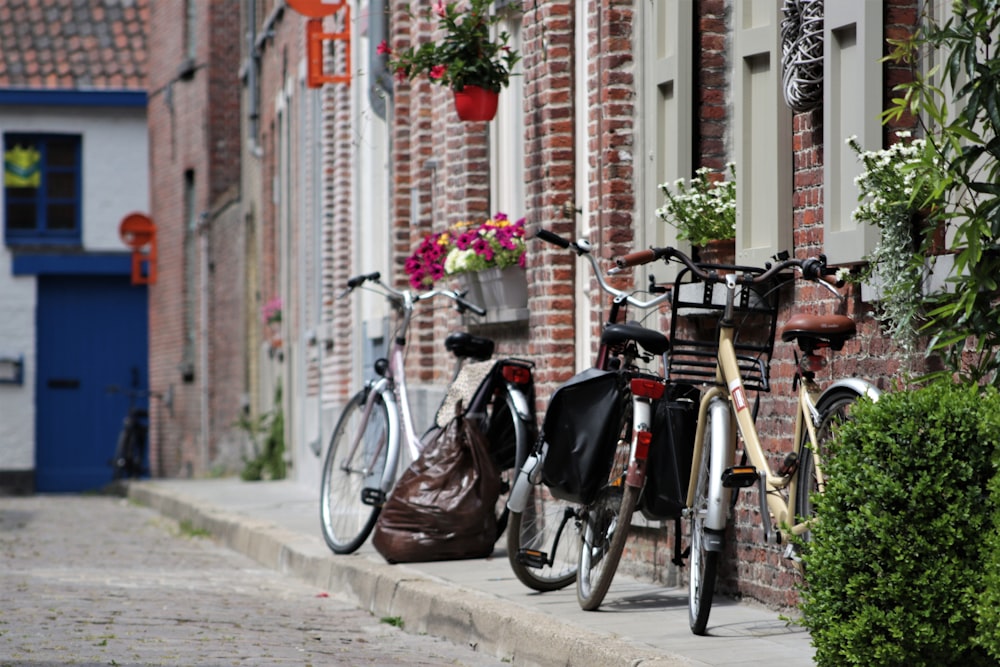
(895, 572)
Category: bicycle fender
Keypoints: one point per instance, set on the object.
(857, 385)
(518, 498)
(392, 446)
(520, 401)
(522, 410)
(721, 454)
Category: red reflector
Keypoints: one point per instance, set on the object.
(813, 362)
(647, 388)
(642, 440)
(516, 374)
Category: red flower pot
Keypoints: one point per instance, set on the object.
(475, 103)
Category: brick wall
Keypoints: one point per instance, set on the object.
(194, 126)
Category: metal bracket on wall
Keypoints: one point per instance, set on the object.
(315, 38)
(12, 369)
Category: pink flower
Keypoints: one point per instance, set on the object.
(438, 71)
(440, 8)
(382, 48)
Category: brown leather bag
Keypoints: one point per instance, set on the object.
(444, 505)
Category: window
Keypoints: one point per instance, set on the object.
(41, 189)
(763, 135)
(667, 84)
(852, 100)
(507, 135)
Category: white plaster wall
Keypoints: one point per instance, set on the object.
(17, 337)
(115, 162)
(115, 172)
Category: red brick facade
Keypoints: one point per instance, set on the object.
(439, 173)
(197, 305)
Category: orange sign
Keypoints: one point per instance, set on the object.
(136, 230)
(316, 9)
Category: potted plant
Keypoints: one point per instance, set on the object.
(896, 197)
(463, 57)
(270, 313)
(703, 210)
(487, 256)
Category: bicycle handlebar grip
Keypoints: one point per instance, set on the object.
(552, 238)
(468, 305)
(636, 258)
(357, 281)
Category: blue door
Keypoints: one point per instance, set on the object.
(92, 335)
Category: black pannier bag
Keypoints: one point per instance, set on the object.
(581, 428)
(670, 453)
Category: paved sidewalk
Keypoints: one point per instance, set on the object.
(477, 602)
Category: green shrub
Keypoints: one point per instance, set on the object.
(268, 461)
(989, 602)
(894, 572)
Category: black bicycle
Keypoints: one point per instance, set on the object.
(129, 461)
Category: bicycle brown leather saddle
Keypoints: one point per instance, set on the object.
(812, 331)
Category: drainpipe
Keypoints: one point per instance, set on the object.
(206, 376)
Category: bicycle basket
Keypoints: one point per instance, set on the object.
(669, 466)
(581, 429)
(696, 309)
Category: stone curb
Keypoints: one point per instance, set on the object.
(425, 605)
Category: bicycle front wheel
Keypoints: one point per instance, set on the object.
(605, 529)
(704, 563)
(833, 409)
(354, 462)
(543, 542)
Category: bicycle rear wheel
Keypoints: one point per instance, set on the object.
(543, 542)
(346, 516)
(834, 408)
(704, 563)
(605, 530)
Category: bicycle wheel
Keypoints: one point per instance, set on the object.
(346, 517)
(833, 409)
(120, 462)
(543, 542)
(704, 563)
(605, 529)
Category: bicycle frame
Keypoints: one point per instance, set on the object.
(730, 395)
(531, 470)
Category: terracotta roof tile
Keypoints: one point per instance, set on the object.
(70, 44)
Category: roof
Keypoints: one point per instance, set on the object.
(73, 44)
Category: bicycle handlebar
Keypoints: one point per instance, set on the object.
(357, 281)
(582, 247)
(812, 268)
(408, 297)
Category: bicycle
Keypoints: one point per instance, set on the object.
(543, 503)
(129, 460)
(729, 365)
(375, 433)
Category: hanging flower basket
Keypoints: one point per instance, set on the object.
(473, 103)
(504, 290)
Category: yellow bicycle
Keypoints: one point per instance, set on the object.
(722, 335)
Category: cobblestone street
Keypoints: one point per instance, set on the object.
(96, 580)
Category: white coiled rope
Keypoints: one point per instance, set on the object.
(802, 54)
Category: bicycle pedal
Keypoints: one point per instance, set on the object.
(374, 497)
(532, 558)
(739, 477)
